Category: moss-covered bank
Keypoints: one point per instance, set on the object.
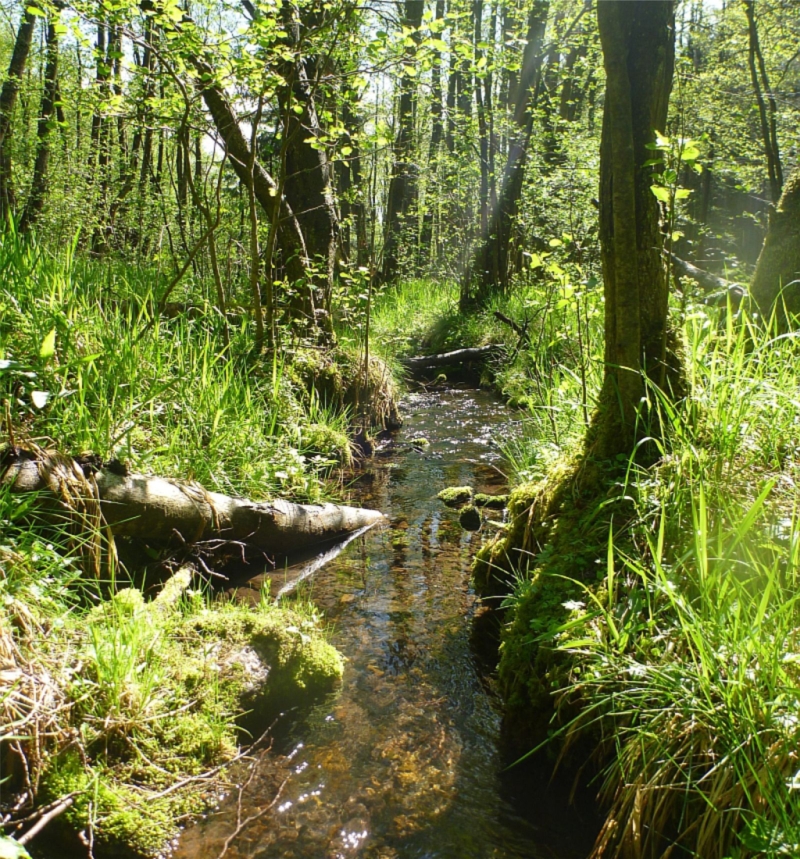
(145, 704)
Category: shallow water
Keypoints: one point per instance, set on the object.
(403, 761)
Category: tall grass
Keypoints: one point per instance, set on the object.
(684, 657)
(86, 367)
(130, 707)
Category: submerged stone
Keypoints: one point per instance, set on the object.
(470, 518)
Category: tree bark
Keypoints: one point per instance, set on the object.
(767, 110)
(437, 135)
(776, 280)
(8, 98)
(44, 132)
(158, 510)
(401, 202)
(638, 49)
(489, 270)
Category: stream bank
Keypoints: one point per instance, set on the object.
(404, 759)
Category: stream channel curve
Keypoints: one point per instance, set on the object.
(403, 761)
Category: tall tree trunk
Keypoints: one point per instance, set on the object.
(8, 98)
(776, 280)
(437, 135)
(489, 271)
(483, 126)
(639, 50)
(44, 132)
(767, 110)
(101, 143)
(310, 186)
(227, 124)
(401, 202)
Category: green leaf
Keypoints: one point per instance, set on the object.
(660, 193)
(682, 193)
(691, 153)
(35, 10)
(48, 347)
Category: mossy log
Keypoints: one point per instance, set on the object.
(447, 359)
(720, 290)
(161, 510)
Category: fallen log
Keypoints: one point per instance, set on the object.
(161, 510)
(719, 288)
(446, 359)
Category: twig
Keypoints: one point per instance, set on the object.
(45, 819)
(242, 824)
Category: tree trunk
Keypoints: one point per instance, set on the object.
(8, 98)
(44, 131)
(401, 202)
(489, 270)
(158, 510)
(776, 281)
(437, 135)
(227, 124)
(768, 110)
(309, 184)
(638, 50)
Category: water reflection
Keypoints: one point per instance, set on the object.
(402, 761)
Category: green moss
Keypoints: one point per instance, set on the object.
(553, 547)
(493, 502)
(455, 496)
(158, 699)
(301, 662)
(326, 441)
(336, 379)
(122, 818)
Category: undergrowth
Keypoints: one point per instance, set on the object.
(87, 363)
(122, 707)
(674, 651)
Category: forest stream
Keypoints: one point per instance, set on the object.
(404, 760)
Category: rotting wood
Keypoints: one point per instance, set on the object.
(161, 510)
(445, 359)
(719, 288)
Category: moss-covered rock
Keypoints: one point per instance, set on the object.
(159, 699)
(455, 496)
(492, 502)
(327, 442)
(337, 380)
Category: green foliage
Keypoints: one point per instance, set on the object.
(78, 333)
(669, 641)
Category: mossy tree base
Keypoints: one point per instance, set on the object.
(554, 548)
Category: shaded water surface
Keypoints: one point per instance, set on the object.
(402, 762)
